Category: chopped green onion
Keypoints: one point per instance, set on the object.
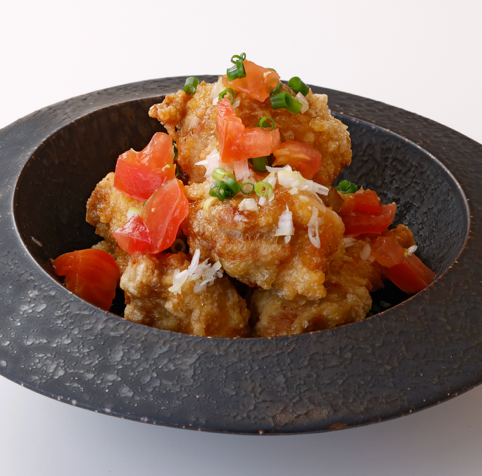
(237, 71)
(298, 86)
(263, 123)
(236, 58)
(179, 246)
(295, 106)
(214, 188)
(277, 89)
(263, 189)
(260, 163)
(191, 85)
(177, 171)
(224, 191)
(221, 174)
(233, 185)
(272, 69)
(281, 100)
(247, 188)
(229, 91)
(346, 187)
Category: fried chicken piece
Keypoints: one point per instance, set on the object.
(278, 317)
(218, 311)
(348, 282)
(192, 121)
(107, 208)
(245, 242)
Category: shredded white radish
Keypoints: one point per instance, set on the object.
(236, 102)
(412, 250)
(299, 97)
(285, 224)
(290, 179)
(179, 279)
(248, 204)
(212, 162)
(365, 252)
(204, 273)
(195, 121)
(313, 228)
(218, 88)
(241, 169)
(349, 241)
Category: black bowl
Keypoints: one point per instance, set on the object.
(411, 356)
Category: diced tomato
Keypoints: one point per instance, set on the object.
(163, 213)
(91, 274)
(133, 236)
(140, 174)
(358, 223)
(386, 252)
(300, 156)
(237, 142)
(411, 275)
(365, 201)
(258, 83)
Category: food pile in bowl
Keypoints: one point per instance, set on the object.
(229, 225)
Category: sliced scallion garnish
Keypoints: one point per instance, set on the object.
(277, 89)
(264, 123)
(346, 186)
(233, 185)
(247, 188)
(260, 163)
(236, 72)
(236, 58)
(214, 188)
(229, 91)
(263, 189)
(179, 246)
(191, 85)
(298, 86)
(281, 100)
(295, 106)
(221, 174)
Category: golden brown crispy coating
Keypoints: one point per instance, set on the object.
(218, 311)
(245, 242)
(192, 122)
(107, 208)
(317, 127)
(348, 282)
(278, 317)
(121, 257)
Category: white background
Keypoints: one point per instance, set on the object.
(423, 56)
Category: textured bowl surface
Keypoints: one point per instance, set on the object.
(411, 356)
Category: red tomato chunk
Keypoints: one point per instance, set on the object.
(90, 274)
(258, 83)
(237, 142)
(411, 275)
(140, 174)
(386, 252)
(133, 236)
(163, 213)
(299, 155)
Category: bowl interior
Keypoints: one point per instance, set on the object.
(55, 183)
